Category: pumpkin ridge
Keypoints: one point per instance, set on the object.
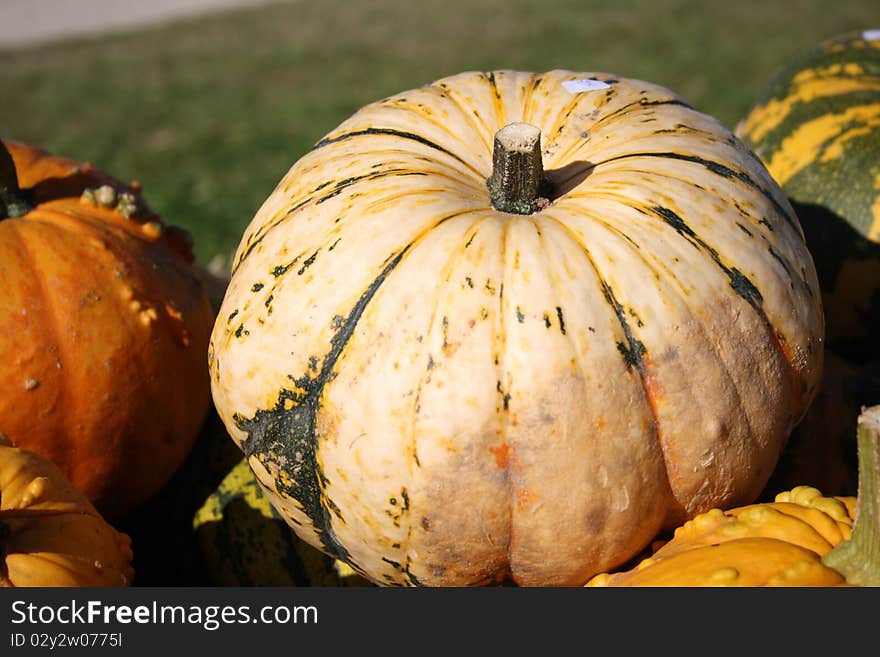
(68, 225)
(565, 111)
(640, 104)
(724, 172)
(302, 427)
(755, 223)
(268, 227)
(478, 192)
(697, 319)
(569, 154)
(739, 282)
(471, 118)
(338, 187)
(403, 134)
(501, 371)
(634, 352)
(467, 236)
(818, 527)
(570, 334)
(52, 321)
(535, 81)
(429, 118)
(497, 100)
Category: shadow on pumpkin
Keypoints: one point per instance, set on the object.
(563, 180)
(848, 267)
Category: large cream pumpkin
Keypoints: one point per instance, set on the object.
(443, 393)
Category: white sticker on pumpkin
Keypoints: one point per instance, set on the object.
(871, 35)
(577, 86)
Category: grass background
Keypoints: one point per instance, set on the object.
(209, 113)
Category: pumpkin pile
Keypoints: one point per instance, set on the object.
(507, 328)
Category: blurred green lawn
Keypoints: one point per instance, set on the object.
(210, 113)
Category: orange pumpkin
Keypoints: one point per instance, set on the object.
(50, 535)
(104, 327)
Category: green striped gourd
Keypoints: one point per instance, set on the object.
(443, 380)
(816, 125)
(242, 541)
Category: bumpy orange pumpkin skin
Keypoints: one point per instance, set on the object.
(104, 328)
(775, 544)
(50, 534)
(446, 394)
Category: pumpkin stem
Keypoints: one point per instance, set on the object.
(517, 182)
(858, 559)
(13, 200)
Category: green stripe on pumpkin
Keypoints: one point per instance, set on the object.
(286, 433)
(338, 187)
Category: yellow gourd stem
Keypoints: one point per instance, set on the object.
(858, 559)
(517, 179)
(13, 201)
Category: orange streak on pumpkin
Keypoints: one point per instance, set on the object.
(653, 392)
(655, 397)
(502, 455)
(791, 359)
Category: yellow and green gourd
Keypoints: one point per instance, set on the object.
(816, 125)
(242, 541)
